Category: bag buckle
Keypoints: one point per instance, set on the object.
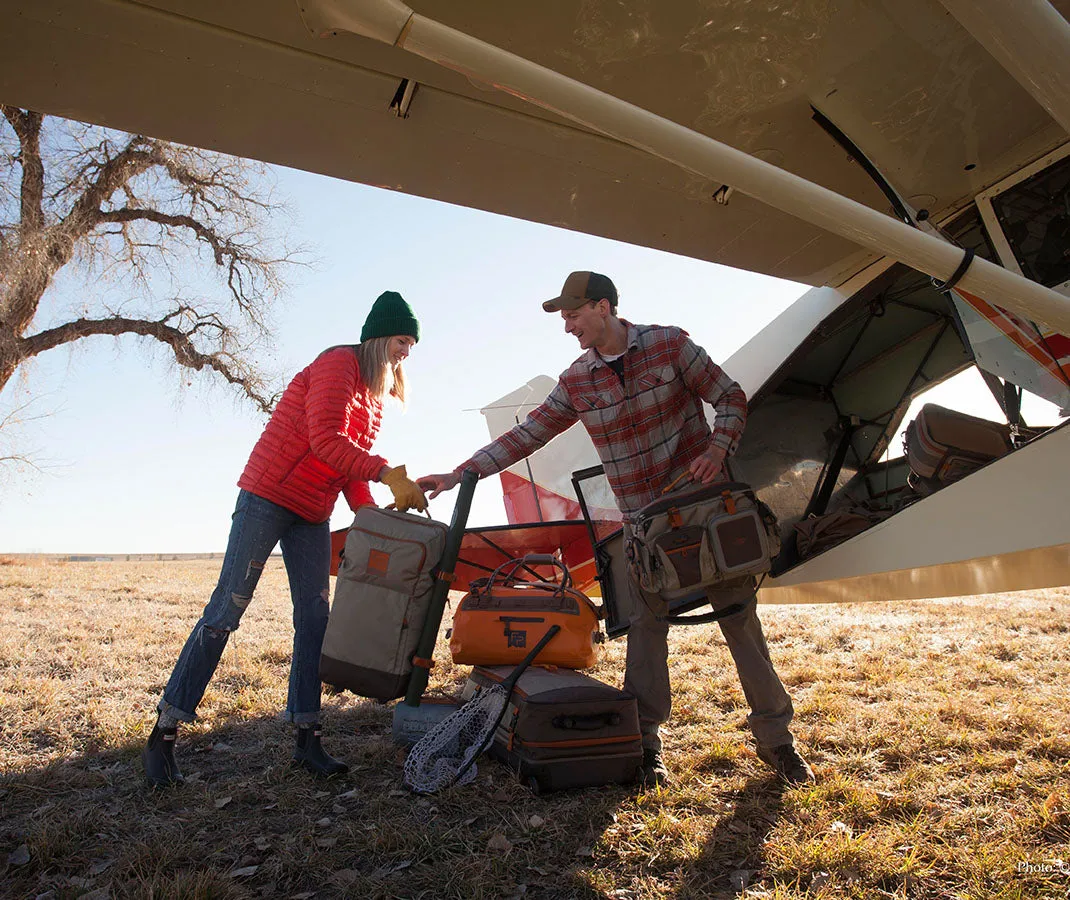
(675, 519)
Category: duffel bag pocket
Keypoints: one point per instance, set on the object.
(645, 566)
(680, 553)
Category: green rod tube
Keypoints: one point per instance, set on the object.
(426, 648)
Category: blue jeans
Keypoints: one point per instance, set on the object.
(257, 526)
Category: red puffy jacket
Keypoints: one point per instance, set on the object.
(318, 441)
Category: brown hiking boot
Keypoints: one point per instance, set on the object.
(653, 772)
(787, 763)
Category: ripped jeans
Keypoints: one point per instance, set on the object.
(258, 525)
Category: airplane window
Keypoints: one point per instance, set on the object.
(968, 230)
(1035, 217)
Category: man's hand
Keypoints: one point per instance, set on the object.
(439, 483)
(705, 468)
(407, 494)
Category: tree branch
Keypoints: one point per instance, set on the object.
(44, 251)
(220, 247)
(10, 457)
(130, 206)
(20, 460)
(185, 352)
(138, 156)
(241, 263)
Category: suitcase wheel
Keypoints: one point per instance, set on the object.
(534, 785)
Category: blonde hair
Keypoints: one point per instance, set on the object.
(379, 374)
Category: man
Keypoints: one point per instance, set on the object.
(638, 389)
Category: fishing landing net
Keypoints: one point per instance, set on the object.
(446, 755)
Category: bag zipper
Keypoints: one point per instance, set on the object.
(574, 742)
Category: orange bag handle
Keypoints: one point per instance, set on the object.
(681, 477)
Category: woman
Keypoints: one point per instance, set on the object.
(316, 444)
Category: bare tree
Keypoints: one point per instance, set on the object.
(137, 216)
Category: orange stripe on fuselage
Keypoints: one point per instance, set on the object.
(1018, 332)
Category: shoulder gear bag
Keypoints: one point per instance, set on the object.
(701, 536)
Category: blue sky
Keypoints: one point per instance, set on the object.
(137, 460)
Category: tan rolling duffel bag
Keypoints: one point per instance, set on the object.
(381, 599)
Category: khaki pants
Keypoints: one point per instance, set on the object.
(646, 674)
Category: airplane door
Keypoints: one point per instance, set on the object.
(1028, 220)
(1027, 217)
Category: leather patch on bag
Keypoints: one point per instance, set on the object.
(378, 562)
(740, 542)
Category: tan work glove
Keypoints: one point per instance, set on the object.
(407, 493)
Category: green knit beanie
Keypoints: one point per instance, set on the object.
(390, 315)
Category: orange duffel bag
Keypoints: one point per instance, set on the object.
(503, 616)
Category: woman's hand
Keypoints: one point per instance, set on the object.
(407, 493)
(439, 483)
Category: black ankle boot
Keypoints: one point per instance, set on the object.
(309, 754)
(158, 758)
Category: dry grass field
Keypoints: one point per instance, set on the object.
(940, 733)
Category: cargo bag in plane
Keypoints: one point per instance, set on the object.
(816, 534)
(701, 536)
(380, 602)
(504, 615)
(943, 445)
(563, 729)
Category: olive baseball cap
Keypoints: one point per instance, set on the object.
(581, 287)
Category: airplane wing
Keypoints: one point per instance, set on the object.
(890, 103)
(245, 77)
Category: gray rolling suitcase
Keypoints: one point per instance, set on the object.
(563, 729)
(381, 599)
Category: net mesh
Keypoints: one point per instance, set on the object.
(452, 745)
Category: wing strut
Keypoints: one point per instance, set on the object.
(394, 23)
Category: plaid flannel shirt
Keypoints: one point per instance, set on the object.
(649, 429)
